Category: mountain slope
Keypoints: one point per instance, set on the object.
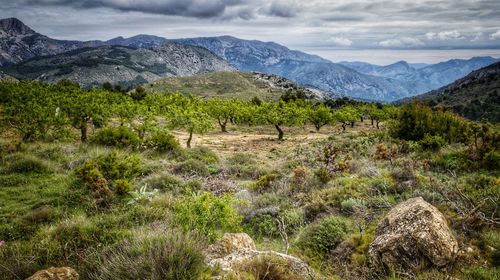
(243, 85)
(120, 65)
(426, 78)
(138, 41)
(476, 96)
(305, 69)
(18, 43)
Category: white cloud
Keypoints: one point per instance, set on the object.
(445, 35)
(478, 37)
(495, 35)
(403, 42)
(340, 41)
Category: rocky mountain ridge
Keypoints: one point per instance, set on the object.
(124, 66)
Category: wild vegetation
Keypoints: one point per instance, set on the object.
(136, 185)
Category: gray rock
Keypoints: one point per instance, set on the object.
(412, 236)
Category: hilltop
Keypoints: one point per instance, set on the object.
(243, 85)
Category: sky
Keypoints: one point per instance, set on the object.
(376, 31)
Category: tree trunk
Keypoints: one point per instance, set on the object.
(188, 144)
(280, 132)
(372, 122)
(377, 124)
(362, 119)
(352, 124)
(317, 127)
(83, 130)
(223, 126)
(343, 127)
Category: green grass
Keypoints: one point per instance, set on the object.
(219, 84)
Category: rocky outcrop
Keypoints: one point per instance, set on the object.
(230, 243)
(412, 236)
(55, 273)
(237, 249)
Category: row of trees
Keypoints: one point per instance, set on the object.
(36, 109)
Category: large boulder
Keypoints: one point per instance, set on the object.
(55, 273)
(412, 236)
(237, 249)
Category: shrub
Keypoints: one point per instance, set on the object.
(323, 175)
(322, 237)
(243, 165)
(153, 256)
(492, 160)
(165, 182)
(193, 167)
(207, 214)
(491, 239)
(351, 204)
(202, 154)
(28, 164)
(163, 141)
(117, 137)
(91, 176)
(265, 268)
(479, 273)
(114, 166)
(123, 187)
(416, 120)
(433, 143)
(265, 182)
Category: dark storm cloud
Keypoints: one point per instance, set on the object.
(188, 8)
(341, 24)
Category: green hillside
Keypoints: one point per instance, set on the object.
(476, 97)
(228, 85)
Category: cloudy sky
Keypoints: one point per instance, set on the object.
(379, 31)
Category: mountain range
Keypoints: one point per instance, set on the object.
(424, 78)
(34, 55)
(124, 66)
(476, 96)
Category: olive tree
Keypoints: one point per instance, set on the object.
(281, 114)
(347, 115)
(222, 110)
(189, 114)
(320, 116)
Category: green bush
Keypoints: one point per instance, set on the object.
(350, 204)
(207, 214)
(267, 226)
(323, 175)
(165, 183)
(492, 160)
(114, 166)
(163, 141)
(264, 183)
(322, 237)
(122, 187)
(117, 137)
(491, 239)
(192, 166)
(28, 164)
(433, 143)
(202, 154)
(416, 120)
(479, 273)
(154, 256)
(265, 268)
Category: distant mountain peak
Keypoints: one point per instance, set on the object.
(15, 26)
